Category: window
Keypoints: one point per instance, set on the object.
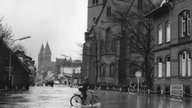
(108, 11)
(107, 40)
(102, 71)
(185, 64)
(112, 71)
(132, 43)
(113, 45)
(184, 23)
(168, 33)
(159, 67)
(159, 33)
(101, 46)
(93, 2)
(97, 1)
(168, 67)
(73, 70)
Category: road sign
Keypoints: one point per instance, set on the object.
(176, 91)
(138, 74)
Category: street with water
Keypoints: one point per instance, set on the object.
(59, 97)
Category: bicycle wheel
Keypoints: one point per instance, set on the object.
(75, 100)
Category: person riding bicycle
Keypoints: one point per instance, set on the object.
(84, 89)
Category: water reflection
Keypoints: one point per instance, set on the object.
(138, 102)
(176, 104)
(45, 97)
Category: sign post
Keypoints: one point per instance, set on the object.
(176, 91)
(138, 75)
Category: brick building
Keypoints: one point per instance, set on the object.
(173, 44)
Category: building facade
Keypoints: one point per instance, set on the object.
(101, 50)
(173, 44)
(29, 63)
(14, 74)
(70, 72)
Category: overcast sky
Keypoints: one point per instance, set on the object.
(60, 22)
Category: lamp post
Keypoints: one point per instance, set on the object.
(10, 76)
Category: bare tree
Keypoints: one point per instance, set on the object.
(119, 19)
(141, 42)
(7, 35)
(136, 32)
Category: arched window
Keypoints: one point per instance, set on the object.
(159, 61)
(109, 11)
(97, 1)
(93, 2)
(102, 70)
(112, 71)
(168, 31)
(159, 34)
(101, 46)
(132, 43)
(107, 40)
(184, 23)
(168, 66)
(113, 45)
(185, 63)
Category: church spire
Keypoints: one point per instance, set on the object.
(41, 50)
(47, 49)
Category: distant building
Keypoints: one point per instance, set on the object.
(173, 44)
(27, 61)
(44, 62)
(70, 72)
(14, 76)
(58, 65)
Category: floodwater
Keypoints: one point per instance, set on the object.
(59, 97)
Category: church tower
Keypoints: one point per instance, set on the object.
(40, 57)
(94, 9)
(47, 55)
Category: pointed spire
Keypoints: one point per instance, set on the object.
(41, 50)
(47, 49)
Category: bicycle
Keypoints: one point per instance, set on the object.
(76, 99)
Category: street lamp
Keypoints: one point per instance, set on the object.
(10, 76)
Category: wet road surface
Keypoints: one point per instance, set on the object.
(59, 96)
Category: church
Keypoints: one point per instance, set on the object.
(46, 67)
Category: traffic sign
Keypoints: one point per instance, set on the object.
(138, 74)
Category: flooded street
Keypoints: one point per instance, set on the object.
(59, 96)
(39, 97)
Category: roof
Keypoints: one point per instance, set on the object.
(41, 50)
(15, 56)
(161, 10)
(158, 11)
(47, 49)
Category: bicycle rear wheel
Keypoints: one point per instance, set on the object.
(75, 100)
